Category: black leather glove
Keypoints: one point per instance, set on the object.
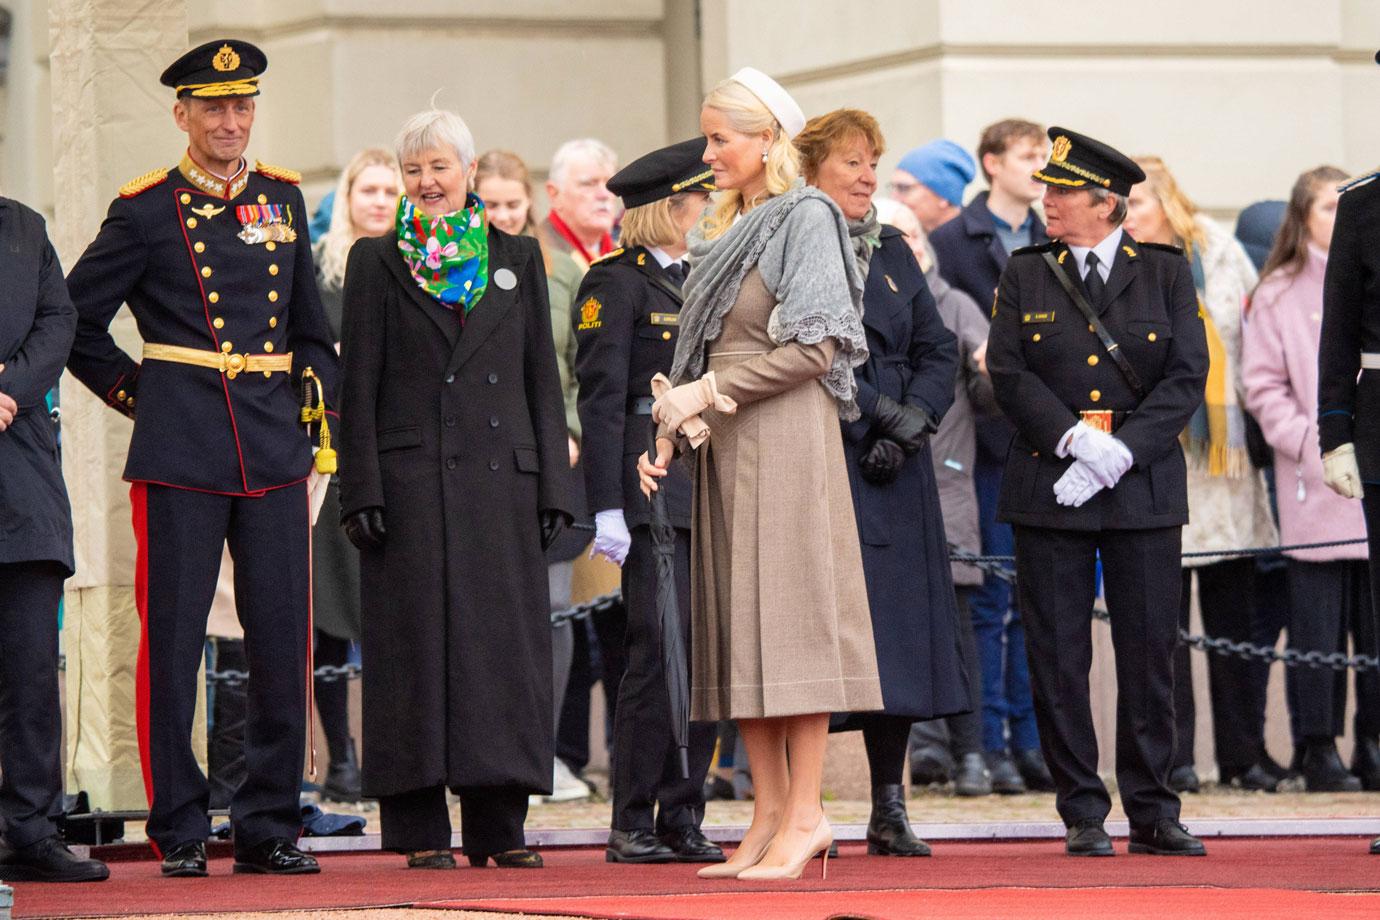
(909, 426)
(365, 528)
(553, 522)
(882, 462)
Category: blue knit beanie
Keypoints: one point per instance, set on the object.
(943, 166)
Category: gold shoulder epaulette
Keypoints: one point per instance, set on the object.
(282, 174)
(1357, 181)
(608, 255)
(1037, 248)
(143, 183)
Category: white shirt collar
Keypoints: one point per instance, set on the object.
(660, 255)
(1106, 253)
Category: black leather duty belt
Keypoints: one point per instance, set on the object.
(640, 405)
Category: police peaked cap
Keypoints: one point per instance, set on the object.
(1078, 161)
(662, 173)
(219, 69)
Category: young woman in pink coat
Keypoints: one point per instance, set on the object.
(1329, 588)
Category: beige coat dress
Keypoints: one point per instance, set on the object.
(780, 619)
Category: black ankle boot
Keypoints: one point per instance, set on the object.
(1323, 770)
(888, 830)
(1365, 763)
(342, 778)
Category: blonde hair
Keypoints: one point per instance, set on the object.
(504, 164)
(333, 249)
(1179, 209)
(747, 114)
(654, 224)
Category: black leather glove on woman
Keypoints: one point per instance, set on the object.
(882, 462)
(365, 528)
(552, 523)
(905, 424)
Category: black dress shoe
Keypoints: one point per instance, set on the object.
(1375, 847)
(1252, 779)
(1167, 837)
(930, 765)
(508, 859)
(1087, 838)
(971, 778)
(1184, 779)
(1034, 770)
(691, 846)
(49, 860)
(186, 860)
(431, 859)
(1006, 779)
(637, 847)
(343, 782)
(276, 856)
(888, 829)
(1323, 771)
(1365, 763)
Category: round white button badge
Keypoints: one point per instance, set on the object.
(505, 279)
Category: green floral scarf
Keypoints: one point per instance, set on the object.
(447, 254)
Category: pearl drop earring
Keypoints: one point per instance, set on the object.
(764, 154)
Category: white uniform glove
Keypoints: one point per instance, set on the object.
(1107, 458)
(1341, 473)
(611, 538)
(1076, 486)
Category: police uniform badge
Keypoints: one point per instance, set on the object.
(265, 223)
(589, 315)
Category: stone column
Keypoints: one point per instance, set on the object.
(111, 122)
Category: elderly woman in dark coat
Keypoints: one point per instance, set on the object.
(455, 476)
(904, 390)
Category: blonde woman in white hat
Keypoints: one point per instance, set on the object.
(771, 330)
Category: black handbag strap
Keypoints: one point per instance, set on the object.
(1090, 315)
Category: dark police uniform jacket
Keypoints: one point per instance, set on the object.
(1047, 365)
(626, 319)
(36, 326)
(171, 248)
(1348, 408)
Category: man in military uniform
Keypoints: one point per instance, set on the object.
(1098, 357)
(1349, 366)
(625, 319)
(214, 260)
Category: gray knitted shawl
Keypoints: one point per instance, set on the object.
(799, 243)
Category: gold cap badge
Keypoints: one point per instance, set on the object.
(226, 59)
(1060, 152)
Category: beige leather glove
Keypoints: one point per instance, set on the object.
(1341, 473)
(679, 408)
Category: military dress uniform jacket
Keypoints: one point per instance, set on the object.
(1348, 407)
(1047, 365)
(172, 249)
(626, 323)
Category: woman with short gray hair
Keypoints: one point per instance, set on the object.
(454, 479)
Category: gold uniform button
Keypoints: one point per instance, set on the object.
(270, 245)
(227, 346)
(273, 322)
(213, 297)
(191, 223)
(218, 323)
(272, 296)
(268, 347)
(273, 269)
(185, 198)
(1035, 337)
(1092, 360)
(1095, 395)
(263, 199)
(205, 271)
(130, 402)
(200, 246)
(268, 373)
(666, 336)
(1152, 336)
(121, 395)
(1090, 328)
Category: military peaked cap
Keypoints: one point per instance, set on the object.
(662, 173)
(1078, 161)
(216, 70)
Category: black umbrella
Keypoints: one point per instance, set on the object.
(673, 661)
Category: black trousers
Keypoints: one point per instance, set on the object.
(961, 734)
(1055, 573)
(1271, 619)
(1330, 600)
(333, 696)
(491, 820)
(597, 658)
(1226, 597)
(180, 536)
(30, 710)
(646, 762)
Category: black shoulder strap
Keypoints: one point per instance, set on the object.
(1090, 315)
(657, 276)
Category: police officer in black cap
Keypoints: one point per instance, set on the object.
(625, 318)
(1349, 366)
(1098, 356)
(213, 258)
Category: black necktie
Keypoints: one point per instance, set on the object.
(1096, 287)
(676, 272)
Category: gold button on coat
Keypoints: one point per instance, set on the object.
(205, 271)
(666, 336)
(191, 223)
(1035, 337)
(1090, 328)
(121, 395)
(1092, 360)
(200, 246)
(185, 198)
(218, 323)
(272, 296)
(270, 245)
(1095, 395)
(268, 347)
(273, 269)
(227, 346)
(263, 199)
(1152, 336)
(213, 297)
(273, 322)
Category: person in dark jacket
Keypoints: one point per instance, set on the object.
(625, 319)
(904, 390)
(37, 323)
(1098, 357)
(972, 250)
(455, 476)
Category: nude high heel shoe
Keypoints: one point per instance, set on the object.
(729, 870)
(819, 845)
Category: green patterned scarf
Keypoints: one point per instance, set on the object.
(448, 255)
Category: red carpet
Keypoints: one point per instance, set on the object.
(376, 880)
